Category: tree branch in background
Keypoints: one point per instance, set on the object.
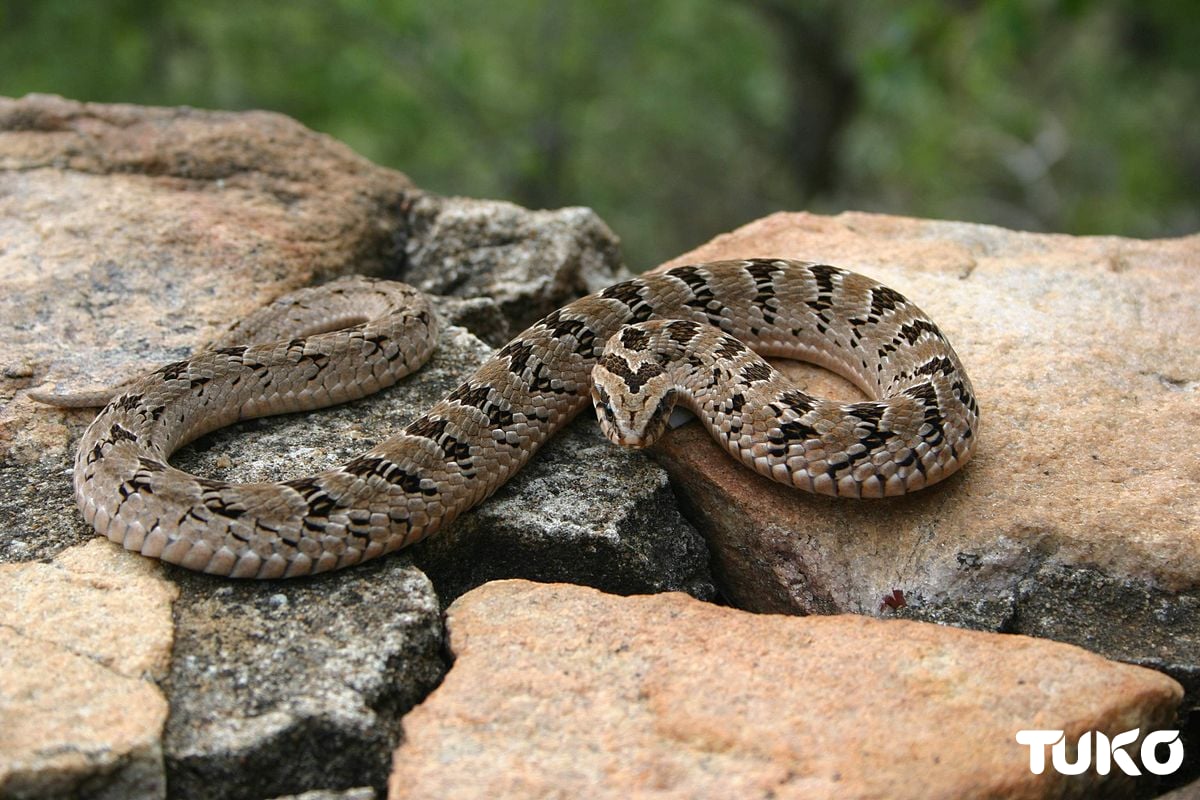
(824, 89)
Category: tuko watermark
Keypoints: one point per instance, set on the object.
(1095, 746)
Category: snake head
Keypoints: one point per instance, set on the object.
(633, 397)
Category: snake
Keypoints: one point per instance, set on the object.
(694, 336)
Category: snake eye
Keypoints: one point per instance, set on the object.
(603, 402)
(658, 419)
(664, 407)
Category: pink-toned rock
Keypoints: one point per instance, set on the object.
(153, 227)
(1079, 517)
(82, 639)
(561, 691)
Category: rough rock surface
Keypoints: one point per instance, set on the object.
(561, 691)
(527, 262)
(1189, 792)
(128, 236)
(266, 674)
(1079, 518)
(82, 640)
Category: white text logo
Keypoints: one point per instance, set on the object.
(1107, 752)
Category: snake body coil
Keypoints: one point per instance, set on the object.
(688, 335)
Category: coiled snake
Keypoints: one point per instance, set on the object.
(692, 335)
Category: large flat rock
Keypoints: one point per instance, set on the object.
(561, 691)
(1079, 518)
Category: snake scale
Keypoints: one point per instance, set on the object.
(693, 335)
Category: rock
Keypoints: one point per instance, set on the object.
(528, 262)
(1079, 519)
(480, 315)
(1189, 792)
(666, 696)
(82, 640)
(282, 686)
(130, 236)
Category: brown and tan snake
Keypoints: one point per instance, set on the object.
(693, 335)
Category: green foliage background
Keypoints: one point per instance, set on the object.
(679, 119)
